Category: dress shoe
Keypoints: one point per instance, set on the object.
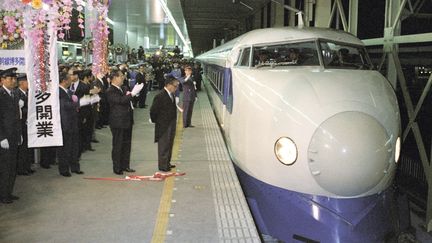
(191, 126)
(66, 174)
(79, 172)
(91, 149)
(6, 201)
(118, 172)
(45, 166)
(30, 171)
(95, 141)
(129, 170)
(23, 173)
(167, 170)
(13, 197)
(172, 166)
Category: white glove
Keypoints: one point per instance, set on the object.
(136, 89)
(85, 100)
(177, 100)
(94, 99)
(196, 98)
(21, 104)
(4, 144)
(22, 140)
(150, 121)
(179, 108)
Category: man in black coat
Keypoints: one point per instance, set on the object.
(189, 97)
(140, 79)
(121, 122)
(81, 89)
(102, 118)
(24, 153)
(68, 155)
(10, 135)
(163, 112)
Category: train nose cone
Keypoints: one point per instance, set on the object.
(349, 153)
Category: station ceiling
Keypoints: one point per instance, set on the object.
(199, 21)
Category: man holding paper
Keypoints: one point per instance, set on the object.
(121, 121)
(68, 154)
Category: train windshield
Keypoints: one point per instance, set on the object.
(289, 54)
(344, 56)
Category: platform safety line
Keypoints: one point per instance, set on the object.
(162, 219)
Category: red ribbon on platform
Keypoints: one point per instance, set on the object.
(158, 176)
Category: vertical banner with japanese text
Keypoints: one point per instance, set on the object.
(44, 124)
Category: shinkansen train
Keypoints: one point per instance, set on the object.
(313, 131)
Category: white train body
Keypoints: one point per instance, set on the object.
(343, 120)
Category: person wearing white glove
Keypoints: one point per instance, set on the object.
(140, 78)
(10, 135)
(24, 162)
(189, 97)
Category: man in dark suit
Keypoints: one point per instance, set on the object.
(121, 122)
(189, 97)
(10, 135)
(24, 153)
(68, 155)
(81, 89)
(163, 112)
(103, 103)
(101, 82)
(140, 79)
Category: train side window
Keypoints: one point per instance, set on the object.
(244, 61)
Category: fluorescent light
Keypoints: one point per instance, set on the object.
(65, 44)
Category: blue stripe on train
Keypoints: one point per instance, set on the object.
(286, 214)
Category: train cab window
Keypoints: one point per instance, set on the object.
(344, 56)
(244, 59)
(290, 54)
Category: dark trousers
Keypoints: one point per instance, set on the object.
(143, 96)
(8, 166)
(47, 156)
(103, 113)
(198, 84)
(165, 144)
(68, 153)
(24, 154)
(187, 112)
(121, 148)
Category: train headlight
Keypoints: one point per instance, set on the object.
(397, 149)
(286, 151)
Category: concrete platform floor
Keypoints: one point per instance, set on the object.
(53, 208)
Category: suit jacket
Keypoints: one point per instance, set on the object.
(10, 124)
(24, 110)
(68, 113)
(162, 112)
(82, 89)
(189, 89)
(121, 113)
(140, 78)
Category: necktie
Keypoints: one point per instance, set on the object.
(172, 97)
(12, 95)
(72, 87)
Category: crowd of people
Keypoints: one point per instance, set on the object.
(88, 103)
